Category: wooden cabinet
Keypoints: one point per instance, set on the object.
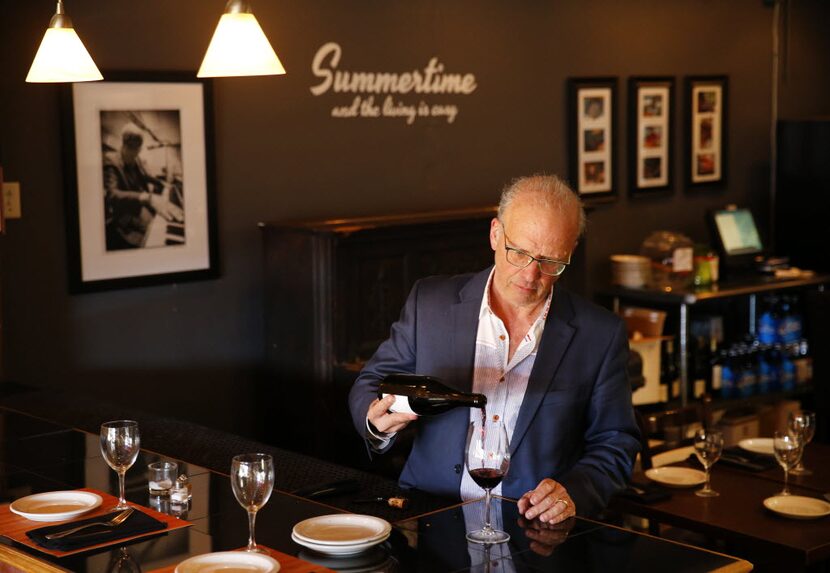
(332, 290)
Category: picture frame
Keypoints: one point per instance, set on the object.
(592, 128)
(650, 134)
(707, 133)
(140, 198)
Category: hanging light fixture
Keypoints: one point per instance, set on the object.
(239, 46)
(62, 56)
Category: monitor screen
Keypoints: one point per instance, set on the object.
(737, 231)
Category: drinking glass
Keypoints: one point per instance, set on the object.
(252, 480)
(803, 424)
(120, 444)
(708, 447)
(787, 449)
(488, 458)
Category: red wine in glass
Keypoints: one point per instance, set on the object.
(488, 458)
(486, 478)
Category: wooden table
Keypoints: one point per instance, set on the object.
(739, 517)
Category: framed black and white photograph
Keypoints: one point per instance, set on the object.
(706, 130)
(650, 133)
(592, 126)
(140, 198)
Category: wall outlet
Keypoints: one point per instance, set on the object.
(11, 200)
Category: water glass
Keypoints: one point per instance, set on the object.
(161, 476)
(803, 424)
(787, 448)
(708, 447)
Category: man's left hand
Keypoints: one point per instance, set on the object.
(549, 503)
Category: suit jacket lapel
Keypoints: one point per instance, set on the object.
(464, 324)
(556, 337)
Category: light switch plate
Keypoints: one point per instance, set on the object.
(11, 200)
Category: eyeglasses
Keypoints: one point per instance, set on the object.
(519, 258)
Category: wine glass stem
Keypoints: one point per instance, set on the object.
(251, 525)
(487, 509)
(786, 476)
(122, 501)
(706, 467)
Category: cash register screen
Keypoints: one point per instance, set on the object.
(737, 231)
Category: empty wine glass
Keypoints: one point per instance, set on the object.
(787, 449)
(708, 447)
(252, 480)
(488, 458)
(803, 424)
(120, 444)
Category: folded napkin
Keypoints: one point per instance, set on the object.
(739, 458)
(136, 524)
(645, 492)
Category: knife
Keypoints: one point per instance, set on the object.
(324, 489)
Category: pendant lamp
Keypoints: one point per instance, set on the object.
(239, 46)
(62, 56)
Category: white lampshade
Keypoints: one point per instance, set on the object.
(62, 56)
(239, 47)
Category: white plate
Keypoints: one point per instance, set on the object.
(339, 550)
(676, 477)
(758, 446)
(797, 506)
(55, 505)
(229, 562)
(342, 529)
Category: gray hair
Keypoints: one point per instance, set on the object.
(551, 191)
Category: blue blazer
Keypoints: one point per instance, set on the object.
(576, 423)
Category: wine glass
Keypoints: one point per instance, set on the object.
(120, 443)
(803, 424)
(488, 458)
(708, 447)
(787, 449)
(252, 480)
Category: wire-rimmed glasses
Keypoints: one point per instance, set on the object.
(519, 258)
(803, 424)
(708, 447)
(120, 444)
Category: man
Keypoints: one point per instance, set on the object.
(551, 364)
(132, 196)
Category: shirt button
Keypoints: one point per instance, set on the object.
(457, 468)
(501, 337)
(495, 417)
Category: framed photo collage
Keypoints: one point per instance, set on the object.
(593, 129)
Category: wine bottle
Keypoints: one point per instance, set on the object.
(425, 395)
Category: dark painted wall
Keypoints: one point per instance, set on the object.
(196, 349)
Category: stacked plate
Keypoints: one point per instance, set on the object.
(55, 505)
(631, 271)
(341, 534)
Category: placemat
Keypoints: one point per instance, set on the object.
(15, 527)
(288, 563)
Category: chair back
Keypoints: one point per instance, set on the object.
(671, 429)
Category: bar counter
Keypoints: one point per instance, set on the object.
(50, 442)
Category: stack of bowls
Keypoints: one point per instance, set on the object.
(632, 271)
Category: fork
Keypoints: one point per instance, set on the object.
(116, 520)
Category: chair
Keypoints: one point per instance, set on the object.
(668, 436)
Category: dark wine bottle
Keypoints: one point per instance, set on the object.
(425, 395)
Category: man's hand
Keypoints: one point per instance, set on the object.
(170, 211)
(383, 420)
(549, 502)
(545, 537)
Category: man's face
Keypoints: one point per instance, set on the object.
(542, 233)
(131, 148)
